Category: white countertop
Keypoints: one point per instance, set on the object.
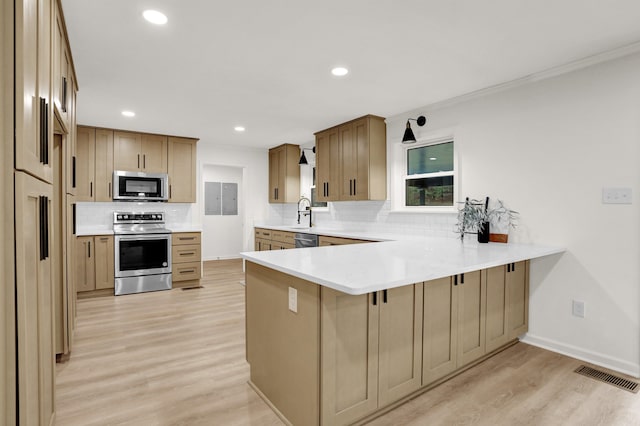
(364, 268)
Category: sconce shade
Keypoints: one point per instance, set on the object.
(303, 159)
(408, 137)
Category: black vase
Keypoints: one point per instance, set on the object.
(483, 233)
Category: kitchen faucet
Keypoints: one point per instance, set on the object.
(306, 211)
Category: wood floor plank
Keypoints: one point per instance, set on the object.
(178, 358)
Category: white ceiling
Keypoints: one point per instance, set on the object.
(266, 65)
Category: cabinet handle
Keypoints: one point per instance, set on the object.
(89, 249)
(513, 267)
(455, 280)
(508, 267)
(104, 238)
(144, 161)
(375, 298)
(350, 187)
(90, 189)
(191, 238)
(74, 217)
(461, 278)
(138, 160)
(190, 271)
(73, 171)
(354, 187)
(384, 296)
(64, 94)
(169, 191)
(44, 131)
(327, 189)
(189, 253)
(41, 221)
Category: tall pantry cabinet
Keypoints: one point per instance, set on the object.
(37, 92)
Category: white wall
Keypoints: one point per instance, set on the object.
(222, 235)
(255, 184)
(547, 149)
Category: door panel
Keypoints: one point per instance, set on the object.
(471, 317)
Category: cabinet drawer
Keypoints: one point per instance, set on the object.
(185, 238)
(186, 271)
(283, 237)
(338, 241)
(185, 253)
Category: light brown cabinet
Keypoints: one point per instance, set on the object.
(371, 347)
(32, 82)
(267, 239)
(182, 170)
(284, 174)
(34, 300)
(186, 259)
(139, 152)
(324, 240)
(94, 164)
(63, 81)
(517, 285)
(94, 264)
(351, 161)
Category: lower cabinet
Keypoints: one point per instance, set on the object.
(371, 346)
(376, 348)
(94, 264)
(186, 259)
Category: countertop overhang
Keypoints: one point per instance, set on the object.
(363, 268)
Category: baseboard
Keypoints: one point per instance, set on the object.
(596, 358)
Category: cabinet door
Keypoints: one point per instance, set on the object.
(34, 300)
(322, 165)
(274, 170)
(361, 173)
(71, 142)
(348, 164)
(61, 68)
(400, 363)
(104, 258)
(103, 165)
(440, 333)
(71, 270)
(518, 295)
(33, 128)
(85, 264)
(471, 317)
(85, 163)
(497, 303)
(349, 357)
(126, 151)
(182, 170)
(154, 154)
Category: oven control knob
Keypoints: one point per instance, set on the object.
(164, 264)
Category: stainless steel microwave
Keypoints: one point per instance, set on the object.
(138, 186)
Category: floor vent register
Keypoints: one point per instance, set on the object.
(616, 381)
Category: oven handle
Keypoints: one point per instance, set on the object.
(143, 237)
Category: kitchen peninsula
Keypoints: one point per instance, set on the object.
(337, 335)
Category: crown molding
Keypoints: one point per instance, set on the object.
(579, 64)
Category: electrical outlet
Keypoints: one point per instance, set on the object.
(616, 195)
(293, 299)
(578, 309)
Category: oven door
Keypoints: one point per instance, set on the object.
(142, 254)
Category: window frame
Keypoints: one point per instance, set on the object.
(404, 176)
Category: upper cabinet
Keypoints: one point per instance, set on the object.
(33, 129)
(63, 83)
(94, 164)
(182, 170)
(284, 174)
(140, 152)
(351, 161)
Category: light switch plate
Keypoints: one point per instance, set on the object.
(616, 195)
(293, 299)
(578, 308)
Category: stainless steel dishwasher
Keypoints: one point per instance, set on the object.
(305, 240)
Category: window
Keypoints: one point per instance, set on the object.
(430, 172)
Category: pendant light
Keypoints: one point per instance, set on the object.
(409, 137)
(303, 158)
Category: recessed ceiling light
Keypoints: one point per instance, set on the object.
(239, 129)
(432, 158)
(339, 71)
(128, 113)
(155, 17)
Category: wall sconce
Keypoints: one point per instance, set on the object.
(303, 158)
(409, 137)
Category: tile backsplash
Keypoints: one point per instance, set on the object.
(373, 216)
(99, 216)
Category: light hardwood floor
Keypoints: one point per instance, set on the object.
(177, 358)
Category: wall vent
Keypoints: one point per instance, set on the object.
(616, 381)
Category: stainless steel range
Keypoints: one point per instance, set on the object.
(142, 252)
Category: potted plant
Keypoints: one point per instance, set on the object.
(477, 217)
